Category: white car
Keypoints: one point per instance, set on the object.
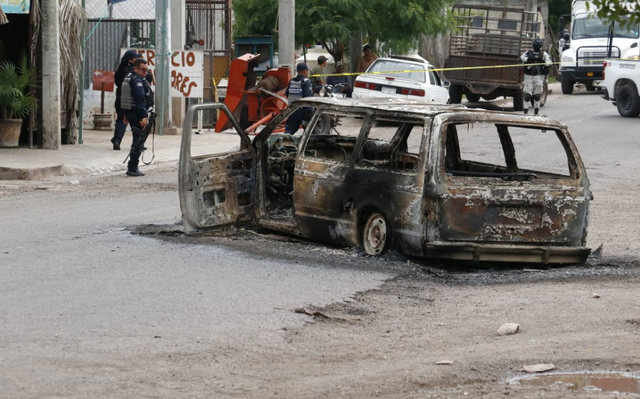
(402, 77)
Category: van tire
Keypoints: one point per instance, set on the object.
(455, 94)
(627, 101)
(567, 86)
(518, 102)
(376, 235)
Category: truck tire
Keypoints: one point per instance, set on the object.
(567, 86)
(455, 94)
(518, 102)
(589, 85)
(627, 101)
(473, 97)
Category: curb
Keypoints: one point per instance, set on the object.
(32, 174)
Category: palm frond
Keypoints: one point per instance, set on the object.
(35, 19)
(15, 84)
(3, 17)
(72, 22)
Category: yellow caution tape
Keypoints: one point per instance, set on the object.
(459, 68)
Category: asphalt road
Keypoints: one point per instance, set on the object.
(82, 298)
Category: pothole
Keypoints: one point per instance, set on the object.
(159, 230)
(603, 382)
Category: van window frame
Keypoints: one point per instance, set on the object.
(512, 172)
(395, 143)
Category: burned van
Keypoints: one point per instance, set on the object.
(435, 181)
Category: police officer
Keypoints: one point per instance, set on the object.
(125, 67)
(137, 97)
(534, 74)
(299, 87)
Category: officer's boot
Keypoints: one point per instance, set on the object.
(134, 154)
(535, 111)
(526, 110)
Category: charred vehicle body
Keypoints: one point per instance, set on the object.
(436, 181)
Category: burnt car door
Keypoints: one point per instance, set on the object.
(321, 210)
(216, 189)
(386, 183)
(509, 189)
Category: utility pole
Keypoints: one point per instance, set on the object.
(355, 53)
(287, 33)
(178, 29)
(81, 78)
(51, 134)
(162, 63)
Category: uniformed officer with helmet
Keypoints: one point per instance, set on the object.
(536, 67)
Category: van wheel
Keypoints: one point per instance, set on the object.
(455, 94)
(567, 86)
(376, 235)
(518, 101)
(627, 101)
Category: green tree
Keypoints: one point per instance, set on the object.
(558, 8)
(623, 13)
(398, 24)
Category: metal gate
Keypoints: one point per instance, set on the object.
(208, 25)
(108, 36)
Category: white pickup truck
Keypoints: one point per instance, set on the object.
(621, 83)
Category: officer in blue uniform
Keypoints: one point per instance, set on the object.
(299, 87)
(137, 98)
(124, 69)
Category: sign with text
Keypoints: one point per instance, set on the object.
(103, 80)
(186, 71)
(15, 6)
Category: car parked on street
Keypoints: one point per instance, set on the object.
(438, 181)
(402, 77)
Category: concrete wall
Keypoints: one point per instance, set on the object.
(92, 105)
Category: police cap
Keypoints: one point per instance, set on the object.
(129, 54)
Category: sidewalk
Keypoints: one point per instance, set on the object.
(96, 155)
